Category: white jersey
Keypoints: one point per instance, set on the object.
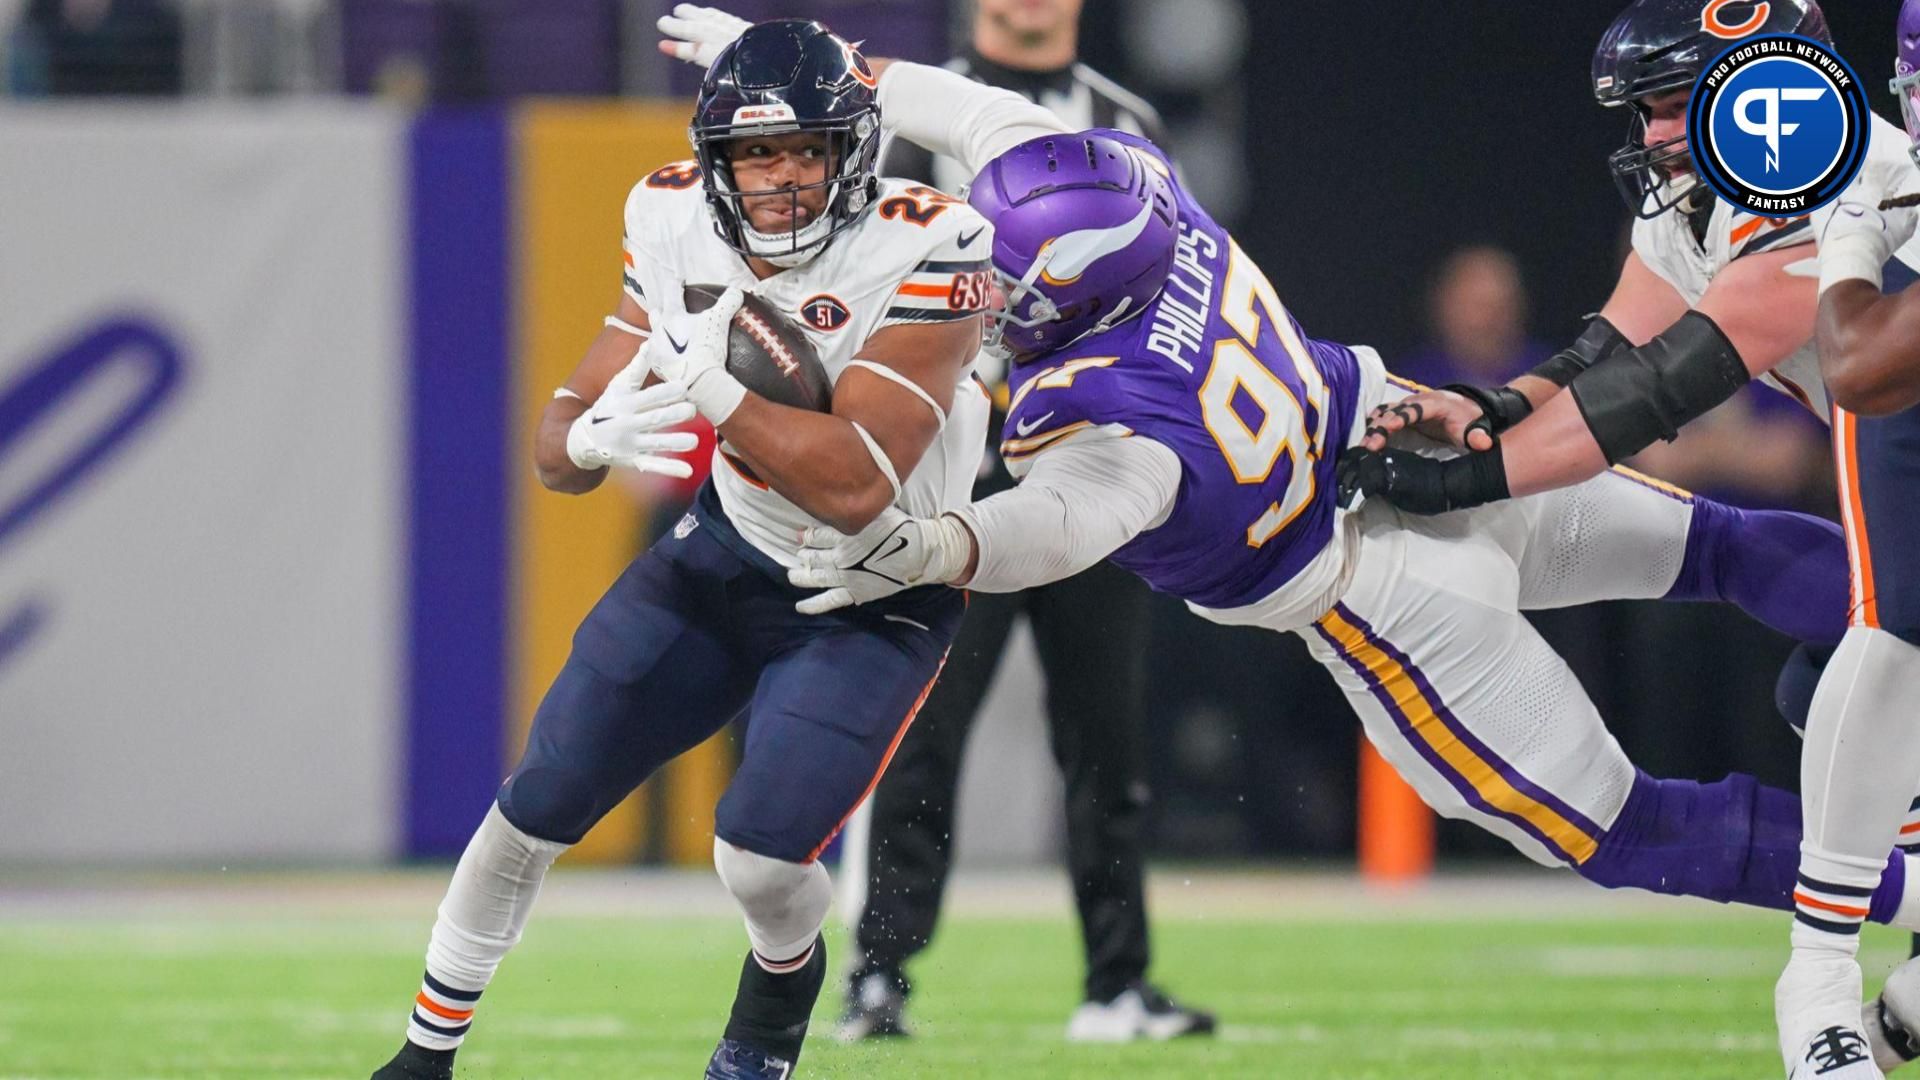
(917, 257)
(1667, 244)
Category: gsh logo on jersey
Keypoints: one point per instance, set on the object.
(1780, 125)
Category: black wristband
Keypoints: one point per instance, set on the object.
(1501, 407)
(1475, 479)
(1597, 342)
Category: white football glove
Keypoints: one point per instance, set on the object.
(697, 34)
(628, 426)
(895, 553)
(691, 351)
(1856, 236)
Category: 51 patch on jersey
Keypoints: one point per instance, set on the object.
(825, 312)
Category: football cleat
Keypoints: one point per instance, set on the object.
(735, 1060)
(876, 1009)
(1892, 1020)
(1837, 1052)
(417, 1063)
(1138, 1012)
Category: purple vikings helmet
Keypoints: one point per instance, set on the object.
(1906, 68)
(1083, 237)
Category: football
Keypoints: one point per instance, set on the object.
(769, 353)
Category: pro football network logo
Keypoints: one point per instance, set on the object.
(1779, 124)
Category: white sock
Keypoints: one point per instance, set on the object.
(484, 912)
(1856, 784)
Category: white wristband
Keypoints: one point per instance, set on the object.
(624, 326)
(1860, 256)
(716, 394)
(950, 545)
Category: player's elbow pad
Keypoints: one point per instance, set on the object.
(1597, 342)
(1639, 395)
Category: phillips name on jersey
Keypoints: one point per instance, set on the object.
(917, 256)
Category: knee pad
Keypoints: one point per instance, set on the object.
(1799, 676)
(549, 803)
(785, 903)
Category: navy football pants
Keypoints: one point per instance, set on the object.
(697, 629)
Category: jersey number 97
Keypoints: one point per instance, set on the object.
(1267, 361)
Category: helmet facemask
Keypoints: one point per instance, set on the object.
(1907, 89)
(1653, 179)
(850, 185)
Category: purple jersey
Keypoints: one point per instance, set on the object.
(1217, 371)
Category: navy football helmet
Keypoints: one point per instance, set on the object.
(779, 77)
(1660, 45)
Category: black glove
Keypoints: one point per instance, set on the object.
(1422, 485)
(1501, 407)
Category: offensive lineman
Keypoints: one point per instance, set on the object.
(783, 201)
(1179, 421)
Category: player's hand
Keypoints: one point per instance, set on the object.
(1438, 414)
(628, 426)
(691, 351)
(697, 34)
(1419, 484)
(895, 553)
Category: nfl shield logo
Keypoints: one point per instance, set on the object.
(686, 525)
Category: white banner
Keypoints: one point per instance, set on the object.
(203, 374)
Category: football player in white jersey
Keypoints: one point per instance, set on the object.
(887, 280)
(1709, 298)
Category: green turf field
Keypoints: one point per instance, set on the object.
(1658, 989)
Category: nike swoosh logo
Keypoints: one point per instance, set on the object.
(899, 542)
(970, 237)
(601, 419)
(1025, 429)
(677, 347)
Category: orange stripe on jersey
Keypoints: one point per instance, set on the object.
(1746, 230)
(1853, 515)
(421, 999)
(910, 289)
(1838, 909)
(627, 255)
(1908, 830)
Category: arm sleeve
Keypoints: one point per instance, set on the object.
(951, 114)
(1077, 505)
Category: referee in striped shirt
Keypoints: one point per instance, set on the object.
(1091, 631)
